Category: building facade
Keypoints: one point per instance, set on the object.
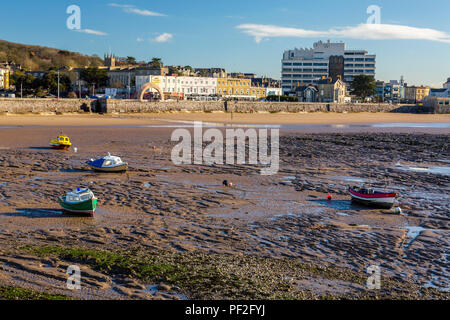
(330, 90)
(234, 87)
(273, 91)
(416, 94)
(447, 84)
(325, 59)
(180, 86)
(4, 78)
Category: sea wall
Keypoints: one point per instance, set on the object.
(21, 106)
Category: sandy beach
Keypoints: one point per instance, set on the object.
(165, 231)
(221, 117)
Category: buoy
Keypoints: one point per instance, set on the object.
(329, 197)
(227, 184)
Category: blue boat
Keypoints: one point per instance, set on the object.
(108, 164)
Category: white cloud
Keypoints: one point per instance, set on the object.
(132, 9)
(164, 37)
(362, 31)
(139, 39)
(90, 31)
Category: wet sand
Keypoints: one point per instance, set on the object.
(285, 218)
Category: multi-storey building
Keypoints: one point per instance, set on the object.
(240, 88)
(447, 84)
(443, 92)
(331, 90)
(392, 91)
(415, 94)
(4, 78)
(180, 86)
(325, 59)
(234, 87)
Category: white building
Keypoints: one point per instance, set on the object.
(444, 92)
(183, 86)
(447, 84)
(273, 91)
(325, 59)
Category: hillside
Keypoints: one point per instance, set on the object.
(43, 58)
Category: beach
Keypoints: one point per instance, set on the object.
(166, 231)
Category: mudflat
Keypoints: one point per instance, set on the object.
(163, 231)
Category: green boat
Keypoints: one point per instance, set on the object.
(80, 202)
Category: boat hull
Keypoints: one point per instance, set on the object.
(86, 208)
(385, 201)
(59, 146)
(120, 168)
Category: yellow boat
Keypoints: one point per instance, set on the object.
(61, 142)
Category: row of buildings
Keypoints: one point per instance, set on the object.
(400, 92)
(323, 73)
(181, 87)
(189, 83)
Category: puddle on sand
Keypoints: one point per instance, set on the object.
(433, 283)
(339, 204)
(444, 170)
(413, 233)
(288, 179)
(154, 289)
(347, 179)
(342, 214)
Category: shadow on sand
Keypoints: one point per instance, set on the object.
(40, 148)
(34, 213)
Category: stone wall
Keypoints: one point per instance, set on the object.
(130, 106)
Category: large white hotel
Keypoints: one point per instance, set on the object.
(325, 59)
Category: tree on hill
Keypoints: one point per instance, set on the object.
(42, 58)
(363, 86)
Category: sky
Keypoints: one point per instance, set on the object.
(410, 38)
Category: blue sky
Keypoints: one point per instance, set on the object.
(206, 33)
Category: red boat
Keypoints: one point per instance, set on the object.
(370, 197)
